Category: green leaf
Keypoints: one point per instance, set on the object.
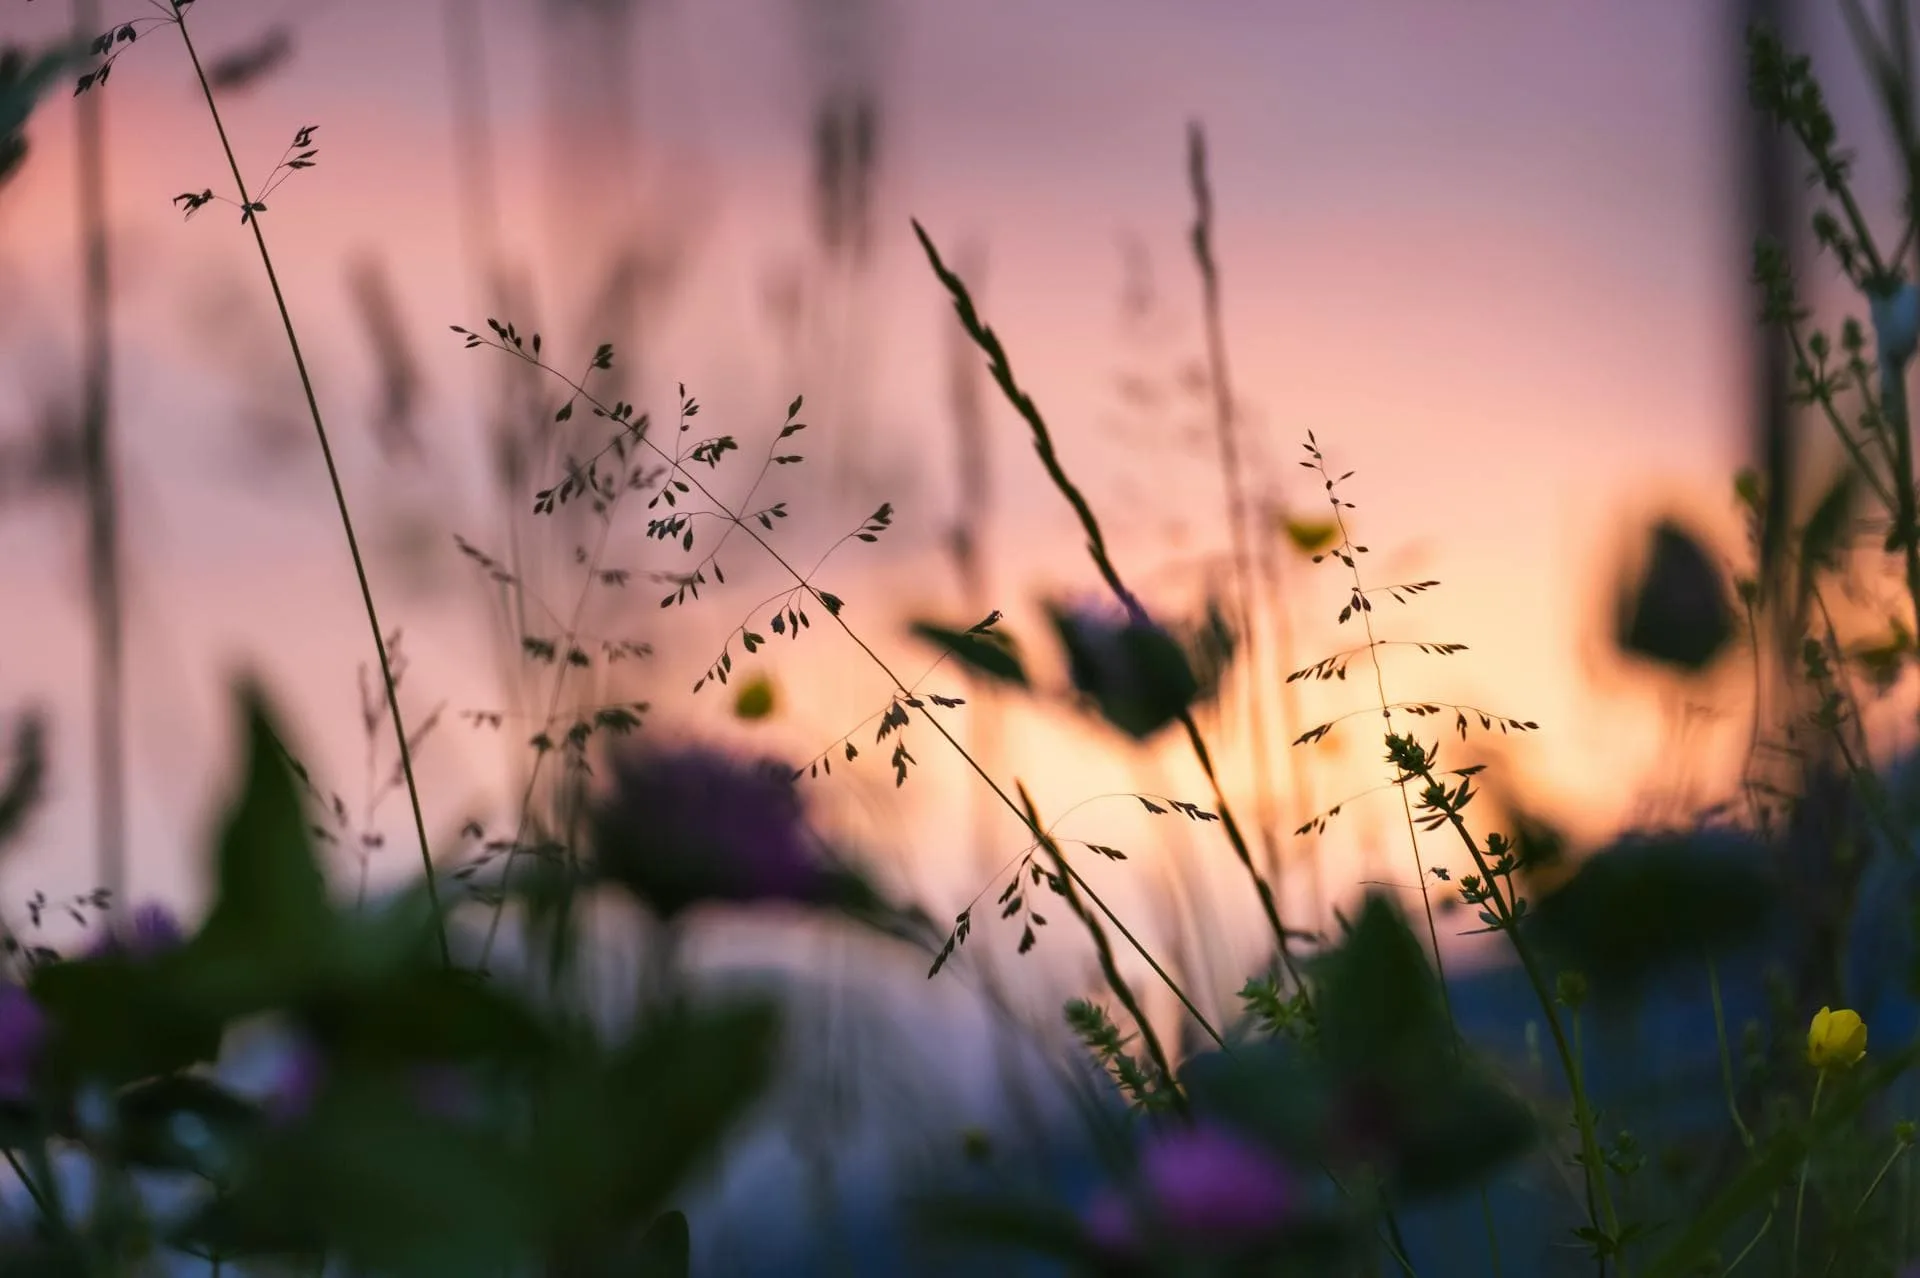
(388, 1188)
(666, 1250)
(25, 778)
(22, 83)
(1774, 1164)
(1649, 902)
(271, 904)
(990, 652)
(430, 1014)
(1464, 1126)
(1824, 539)
(121, 1021)
(619, 1136)
(1377, 1001)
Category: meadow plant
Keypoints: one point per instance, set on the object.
(429, 1120)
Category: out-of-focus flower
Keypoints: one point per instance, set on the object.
(23, 1033)
(1135, 671)
(756, 699)
(690, 825)
(301, 1076)
(153, 930)
(1836, 1040)
(1198, 1187)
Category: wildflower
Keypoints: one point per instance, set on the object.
(756, 699)
(152, 931)
(1836, 1040)
(1135, 671)
(1197, 1187)
(301, 1076)
(691, 825)
(23, 1033)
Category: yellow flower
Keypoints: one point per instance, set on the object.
(1836, 1040)
(756, 699)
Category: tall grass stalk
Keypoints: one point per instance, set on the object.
(1002, 370)
(1226, 433)
(105, 594)
(333, 477)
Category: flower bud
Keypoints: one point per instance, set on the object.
(1836, 1040)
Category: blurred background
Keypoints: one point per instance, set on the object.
(1493, 254)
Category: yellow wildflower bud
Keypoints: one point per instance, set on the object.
(756, 699)
(1836, 1040)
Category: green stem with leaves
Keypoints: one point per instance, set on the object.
(1416, 760)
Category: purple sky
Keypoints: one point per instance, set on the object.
(1489, 252)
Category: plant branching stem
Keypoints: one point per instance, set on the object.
(1115, 981)
(1583, 1115)
(339, 492)
(881, 664)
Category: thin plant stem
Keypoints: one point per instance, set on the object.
(553, 709)
(1900, 1148)
(1726, 1056)
(1232, 468)
(27, 1183)
(1373, 646)
(1508, 922)
(1800, 1193)
(103, 513)
(1115, 981)
(339, 492)
(1758, 1234)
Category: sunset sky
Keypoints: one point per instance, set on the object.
(1490, 251)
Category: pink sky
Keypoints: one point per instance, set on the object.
(1488, 252)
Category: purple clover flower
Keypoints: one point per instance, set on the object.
(1197, 1187)
(152, 931)
(694, 824)
(23, 1033)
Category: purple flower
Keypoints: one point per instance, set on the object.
(152, 931)
(695, 825)
(23, 1033)
(1197, 1186)
(302, 1074)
